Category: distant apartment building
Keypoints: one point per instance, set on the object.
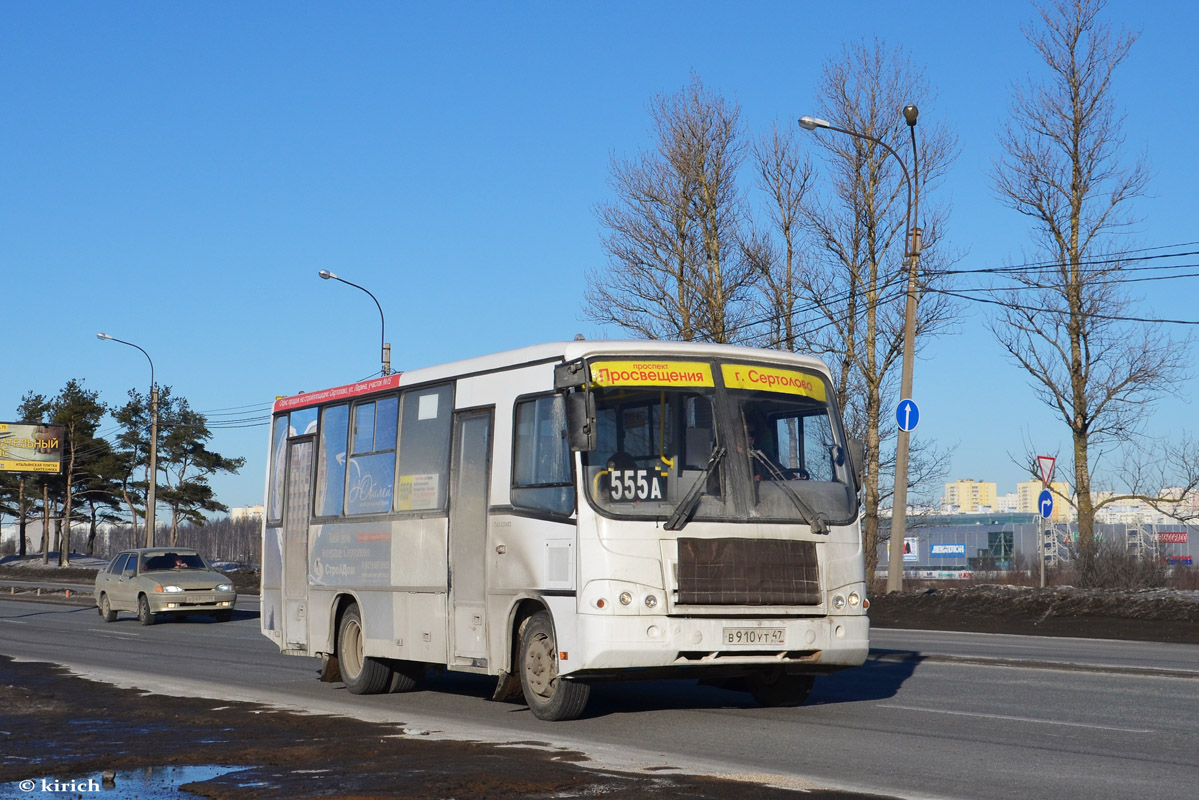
(246, 512)
(969, 496)
(1131, 511)
(1007, 503)
(1028, 492)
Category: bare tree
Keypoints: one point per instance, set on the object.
(854, 286)
(1066, 323)
(774, 250)
(673, 235)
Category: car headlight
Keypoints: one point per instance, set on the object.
(224, 587)
(169, 589)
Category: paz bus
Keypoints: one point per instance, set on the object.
(570, 513)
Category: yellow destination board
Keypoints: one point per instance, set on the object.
(651, 373)
(29, 466)
(772, 379)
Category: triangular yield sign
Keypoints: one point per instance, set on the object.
(1045, 465)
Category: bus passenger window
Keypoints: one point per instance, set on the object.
(372, 465)
(274, 511)
(541, 477)
(331, 461)
(424, 461)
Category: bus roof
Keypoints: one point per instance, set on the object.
(550, 352)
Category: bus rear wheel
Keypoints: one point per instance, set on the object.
(405, 675)
(362, 673)
(550, 696)
(778, 688)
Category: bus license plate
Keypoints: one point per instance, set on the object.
(757, 636)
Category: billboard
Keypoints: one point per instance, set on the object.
(1172, 537)
(30, 448)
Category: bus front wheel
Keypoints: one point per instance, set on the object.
(777, 688)
(362, 673)
(550, 696)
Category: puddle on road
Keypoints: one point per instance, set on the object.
(150, 783)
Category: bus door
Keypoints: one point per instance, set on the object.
(470, 476)
(297, 512)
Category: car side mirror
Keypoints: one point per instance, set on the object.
(129, 572)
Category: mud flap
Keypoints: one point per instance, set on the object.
(507, 688)
(330, 669)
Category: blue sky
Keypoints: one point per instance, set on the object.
(175, 174)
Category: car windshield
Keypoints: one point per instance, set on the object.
(176, 561)
(738, 442)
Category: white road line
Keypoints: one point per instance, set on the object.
(1007, 718)
(14, 621)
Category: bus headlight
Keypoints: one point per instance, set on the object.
(854, 599)
(625, 598)
(838, 602)
(651, 601)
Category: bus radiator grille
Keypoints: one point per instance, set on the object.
(747, 572)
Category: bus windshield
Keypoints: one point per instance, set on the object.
(735, 443)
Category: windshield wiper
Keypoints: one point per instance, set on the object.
(683, 510)
(818, 522)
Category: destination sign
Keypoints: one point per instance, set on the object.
(651, 373)
(772, 379)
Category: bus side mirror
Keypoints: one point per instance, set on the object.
(580, 421)
(570, 375)
(857, 458)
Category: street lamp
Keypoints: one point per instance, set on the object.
(150, 499)
(386, 348)
(899, 510)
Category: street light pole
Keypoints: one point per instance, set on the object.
(899, 504)
(151, 501)
(385, 347)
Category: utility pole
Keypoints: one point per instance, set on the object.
(152, 483)
(899, 504)
(384, 347)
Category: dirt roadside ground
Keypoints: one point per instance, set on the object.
(57, 726)
(60, 728)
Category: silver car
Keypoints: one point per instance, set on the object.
(157, 581)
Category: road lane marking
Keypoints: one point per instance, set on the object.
(1008, 718)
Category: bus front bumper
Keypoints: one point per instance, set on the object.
(815, 644)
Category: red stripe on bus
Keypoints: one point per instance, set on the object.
(337, 393)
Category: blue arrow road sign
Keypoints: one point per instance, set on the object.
(1045, 503)
(907, 414)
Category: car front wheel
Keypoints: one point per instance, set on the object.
(144, 615)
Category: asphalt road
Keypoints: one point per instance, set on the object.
(932, 714)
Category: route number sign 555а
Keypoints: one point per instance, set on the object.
(634, 485)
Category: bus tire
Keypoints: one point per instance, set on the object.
(405, 675)
(548, 696)
(776, 687)
(362, 673)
